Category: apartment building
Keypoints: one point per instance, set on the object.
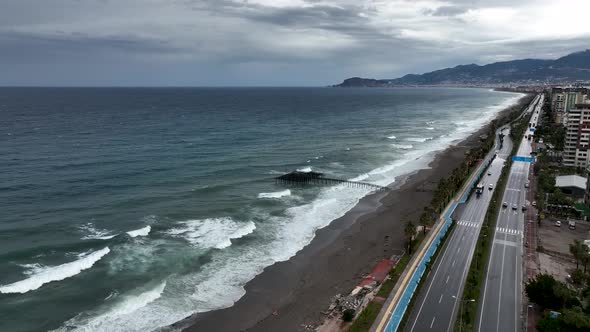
(564, 99)
(576, 152)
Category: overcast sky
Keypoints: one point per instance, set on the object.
(272, 42)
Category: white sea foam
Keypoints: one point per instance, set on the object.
(277, 194)
(418, 139)
(306, 169)
(430, 122)
(212, 232)
(391, 137)
(40, 275)
(140, 232)
(96, 234)
(403, 146)
(123, 316)
(429, 128)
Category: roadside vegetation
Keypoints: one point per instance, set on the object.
(564, 308)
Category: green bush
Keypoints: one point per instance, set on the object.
(348, 315)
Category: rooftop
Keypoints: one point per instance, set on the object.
(576, 181)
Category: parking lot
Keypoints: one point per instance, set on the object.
(558, 239)
(555, 258)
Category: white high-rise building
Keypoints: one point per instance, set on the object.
(576, 152)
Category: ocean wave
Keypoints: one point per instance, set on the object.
(418, 139)
(119, 317)
(430, 122)
(403, 146)
(40, 275)
(306, 169)
(140, 232)
(429, 128)
(277, 194)
(391, 137)
(96, 234)
(212, 232)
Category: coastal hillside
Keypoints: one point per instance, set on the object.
(572, 67)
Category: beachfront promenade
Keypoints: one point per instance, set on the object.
(439, 300)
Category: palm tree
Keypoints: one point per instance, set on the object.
(577, 250)
(410, 232)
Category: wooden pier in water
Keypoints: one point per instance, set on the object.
(301, 178)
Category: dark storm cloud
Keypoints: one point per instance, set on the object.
(245, 42)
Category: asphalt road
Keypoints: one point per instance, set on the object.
(437, 305)
(500, 307)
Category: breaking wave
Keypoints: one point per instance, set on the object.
(140, 232)
(96, 234)
(403, 146)
(277, 194)
(304, 169)
(40, 275)
(212, 232)
(118, 317)
(418, 139)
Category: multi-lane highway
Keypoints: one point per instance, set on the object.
(439, 298)
(500, 303)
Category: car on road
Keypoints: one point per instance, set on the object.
(571, 224)
(505, 204)
(534, 203)
(558, 223)
(523, 208)
(491, 186)
(489, 172)
(526, 184)
(514, 207)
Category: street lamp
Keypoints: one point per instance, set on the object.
(461, 310)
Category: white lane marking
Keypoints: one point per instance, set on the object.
(500, 288)
(433, 318)
(506, 243)
(441, 296)
(442, 259)
(447, 279)
(458, 249)
(453, 263)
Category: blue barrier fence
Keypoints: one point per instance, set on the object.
(404, 301)
(523, 159)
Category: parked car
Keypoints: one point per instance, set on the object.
(491, 186)
(489, 172)
(534, 203)
(571, 224)
(526, 184)
(505, 204)
(558, 223)
(523, 207)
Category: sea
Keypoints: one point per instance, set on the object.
(129, 209)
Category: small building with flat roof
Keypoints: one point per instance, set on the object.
(574, 185)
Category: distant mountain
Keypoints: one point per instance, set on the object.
(572, 67)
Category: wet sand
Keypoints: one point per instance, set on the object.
(291, 294)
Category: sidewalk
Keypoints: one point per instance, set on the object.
(531, 259)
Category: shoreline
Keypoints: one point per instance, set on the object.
(290, 294)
